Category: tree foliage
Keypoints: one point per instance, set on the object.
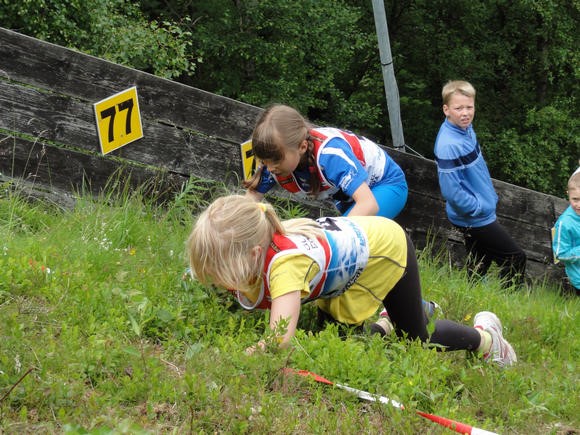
(311, 54)
(520, 56)
(321, 56)
(115, 30)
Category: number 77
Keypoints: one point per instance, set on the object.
(111, 112)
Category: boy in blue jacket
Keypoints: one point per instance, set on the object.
(468, 190)
(566, 241)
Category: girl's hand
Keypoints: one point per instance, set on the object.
(261, 345)
(256, 196)
(287, 308)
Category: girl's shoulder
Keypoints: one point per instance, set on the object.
(378, 226)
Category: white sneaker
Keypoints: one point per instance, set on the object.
(501, 351)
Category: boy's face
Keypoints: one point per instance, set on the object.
(460, 110)
(574, 198)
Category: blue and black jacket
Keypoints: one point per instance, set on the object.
(464, 178)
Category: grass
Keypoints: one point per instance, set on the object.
(99, 333)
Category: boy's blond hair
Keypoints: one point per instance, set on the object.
(574, 180)
(459, 86)
(221, 243)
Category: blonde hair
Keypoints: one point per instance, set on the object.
(460, 86)
(224, 235)
(574, 180)
(279, 128)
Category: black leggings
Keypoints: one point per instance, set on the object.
(493, 243)
(405, 307)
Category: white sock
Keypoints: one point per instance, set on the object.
(485, 344)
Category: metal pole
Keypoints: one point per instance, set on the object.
(389, 75)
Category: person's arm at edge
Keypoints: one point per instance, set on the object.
(365, 202)
(563, 249)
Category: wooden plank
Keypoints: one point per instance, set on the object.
(63, 71)
(422, 214)
(453, 251)
(42, 163)
(70, 123)
(526, 215)
(518, 203)
(50, 167)
(515, 203)
(49, 116)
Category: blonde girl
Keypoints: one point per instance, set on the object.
(348, 265)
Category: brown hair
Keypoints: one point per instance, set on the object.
(278, 128)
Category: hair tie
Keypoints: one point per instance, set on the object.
(262, 206)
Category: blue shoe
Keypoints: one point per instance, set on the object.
(430, 308)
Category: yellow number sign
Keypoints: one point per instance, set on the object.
(118, 120)
(249, 162)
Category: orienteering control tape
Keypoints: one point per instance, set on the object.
(456, 426)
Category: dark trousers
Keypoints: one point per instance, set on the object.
(492, 243)
(404, 304)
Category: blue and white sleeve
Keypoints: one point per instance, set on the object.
(341, 167)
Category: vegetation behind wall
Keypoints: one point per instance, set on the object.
(322, 57)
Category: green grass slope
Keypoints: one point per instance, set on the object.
(100, 333)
